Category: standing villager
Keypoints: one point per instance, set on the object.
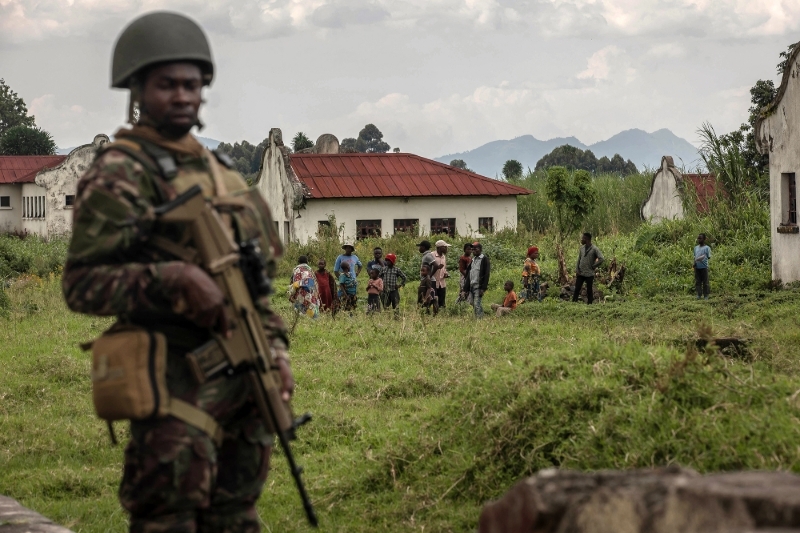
(374, 290)
(201, 464)
(441, 274)
(589, 258)
(477, 278)
(426, 292)
(531, 275)
(349, 258)
(379, 263)
(463, 263)
(304, 291)
(509, 301)
(702, 253)
(327, 286)
(348, 289)
(428, 259)
(393, 280)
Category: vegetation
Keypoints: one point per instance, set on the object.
(246, 157)
(13, 111)
(512, 169)
(370, 140)
(19, 134)
(300, 141)
(576, 159)
(460, 163)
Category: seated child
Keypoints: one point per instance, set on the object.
(347, 288)
(426, 294)
(509, 302)
(374, 290)
(530, 277)
(393, 279)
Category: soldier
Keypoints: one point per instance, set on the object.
(177, 477)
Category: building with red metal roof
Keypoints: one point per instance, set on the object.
(36, 192)
(670, 188)
(379, 194)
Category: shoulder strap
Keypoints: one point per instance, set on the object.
(196, 417)
(154, 158)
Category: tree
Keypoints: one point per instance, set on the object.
(27, 140)
(512, 169)
(370, 141)
(300, 142)
(13, 111)
(576, 159)
(460, 163)
(245, 156)
(574, 197)
(348, 146)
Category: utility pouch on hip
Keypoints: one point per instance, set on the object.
(129, 369)
(129, 381)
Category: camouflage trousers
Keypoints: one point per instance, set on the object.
(177, 481)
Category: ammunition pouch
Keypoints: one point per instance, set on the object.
(129, 381)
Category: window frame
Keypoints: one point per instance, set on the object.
(486, 223)
(8, 199)
(448, 224)
(406, 225)
(789, 190)
(367, 228)
(69, 201)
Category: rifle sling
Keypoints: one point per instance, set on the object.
(197, 418)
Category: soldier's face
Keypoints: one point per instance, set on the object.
(171, 97)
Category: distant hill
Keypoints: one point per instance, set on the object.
(644, 149)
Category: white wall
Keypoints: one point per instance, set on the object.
(62, 181)
(779, 135)
(466, 211)
(11, 218)
(664, 202)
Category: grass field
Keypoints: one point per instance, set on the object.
(418, 421)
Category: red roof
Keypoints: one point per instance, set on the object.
(23, 168)
(390, 175)
(704, 187)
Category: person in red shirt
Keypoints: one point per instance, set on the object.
(327, 286)
(509, 302)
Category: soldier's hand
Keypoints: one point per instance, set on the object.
(195, 295)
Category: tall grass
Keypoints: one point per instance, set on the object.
(619, 201)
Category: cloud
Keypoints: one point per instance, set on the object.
(63, 120)
(340, 13)
(598, 66)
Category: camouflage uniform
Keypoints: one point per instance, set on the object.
(175, 478)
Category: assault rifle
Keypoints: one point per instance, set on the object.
(239, 270)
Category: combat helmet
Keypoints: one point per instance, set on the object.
(157, 38)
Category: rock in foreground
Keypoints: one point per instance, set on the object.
(668, 500)
(15, 518)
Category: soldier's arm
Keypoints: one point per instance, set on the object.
(112, 217)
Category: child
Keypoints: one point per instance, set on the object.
(393, 279)
(426, 294)
(509, 302)
(347, 288)
(374, 290)
(530, 276)
(463, 263)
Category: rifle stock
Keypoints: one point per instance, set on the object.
(248, 347)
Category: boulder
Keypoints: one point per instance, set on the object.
(15, 518)
(666, 500)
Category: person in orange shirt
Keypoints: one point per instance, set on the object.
(530, 276)
(509, 302)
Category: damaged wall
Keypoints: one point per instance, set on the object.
(664, 202)
(61, 182)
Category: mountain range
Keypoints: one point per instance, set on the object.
(643, 148)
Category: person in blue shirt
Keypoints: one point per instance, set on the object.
(702, 253)
(350, 258)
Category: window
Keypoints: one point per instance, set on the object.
(287, 232)
(5, 202)
(443, 226)
(406, 225)
(69, 200)
(789, 197)
(323, 225)
(486, 224)
(277, 227)
(368, 228)
(33, 207)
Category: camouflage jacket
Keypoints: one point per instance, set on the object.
(111, 268)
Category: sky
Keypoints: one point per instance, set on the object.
(435, 76)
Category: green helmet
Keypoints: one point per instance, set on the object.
(157, 38)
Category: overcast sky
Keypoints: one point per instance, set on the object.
(436, 76)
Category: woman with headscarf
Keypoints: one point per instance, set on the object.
(304, 291)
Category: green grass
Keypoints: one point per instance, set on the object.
(418, 421)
